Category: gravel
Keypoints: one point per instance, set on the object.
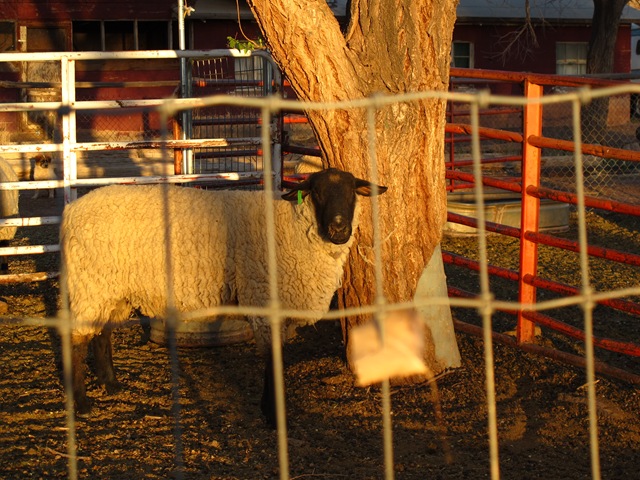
(334, 427)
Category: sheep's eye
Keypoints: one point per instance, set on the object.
(316, 196)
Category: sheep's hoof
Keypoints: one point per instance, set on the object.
(267, 405)
(83, 406)
(112, 387)
(270, 419)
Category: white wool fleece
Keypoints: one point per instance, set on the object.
(114, 250)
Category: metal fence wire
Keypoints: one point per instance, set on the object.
(243, 114)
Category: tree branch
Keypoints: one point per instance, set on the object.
(519, 43)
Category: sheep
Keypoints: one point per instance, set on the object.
(8, 207)
(114, 245)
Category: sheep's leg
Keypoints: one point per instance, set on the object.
(262, 335)
(79, 348)
(102, 352)
(268, 402)
(4, 261)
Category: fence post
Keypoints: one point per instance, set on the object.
(525, 330)
(178, 157)
(450, 165)
(69, 128)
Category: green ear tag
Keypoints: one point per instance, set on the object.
(299, 197)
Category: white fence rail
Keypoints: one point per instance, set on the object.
(66, 151)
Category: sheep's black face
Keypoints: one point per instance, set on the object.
(334, 198)
(333, 193)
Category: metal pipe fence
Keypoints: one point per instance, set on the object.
(531, 192)
(99, 125)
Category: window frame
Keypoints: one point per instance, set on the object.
(105, 31)
(565, 63)
(469, 58)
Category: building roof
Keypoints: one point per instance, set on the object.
(548, 10)
(227, 10)
(468, 10)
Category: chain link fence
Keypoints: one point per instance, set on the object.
(609, 123)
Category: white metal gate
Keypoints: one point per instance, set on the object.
(81, 123)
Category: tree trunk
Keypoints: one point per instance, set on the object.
(390, 46)
(604, 28)
(600, 59)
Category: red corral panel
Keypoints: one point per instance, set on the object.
(515, 181)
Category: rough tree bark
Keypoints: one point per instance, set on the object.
(604, 26)
(390, 46)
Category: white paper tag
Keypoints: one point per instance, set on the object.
(399, 356)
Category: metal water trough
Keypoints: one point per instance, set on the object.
(204, 332)
(504, 208)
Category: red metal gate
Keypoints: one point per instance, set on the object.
(530, 142)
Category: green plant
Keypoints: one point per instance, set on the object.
(246, 44)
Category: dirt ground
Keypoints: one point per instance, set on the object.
(334, 427)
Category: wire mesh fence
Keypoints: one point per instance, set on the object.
(183, 421)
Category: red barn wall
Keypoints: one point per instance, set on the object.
(59, 10)
(489, 42)
(213, 33)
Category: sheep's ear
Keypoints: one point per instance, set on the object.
(365, 188)
(299, 191)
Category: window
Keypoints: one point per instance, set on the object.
(462, 55)
(121, 35)
(118, 36)
(153, 35)
(571, 58)
(86, 36)
(7, 37)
